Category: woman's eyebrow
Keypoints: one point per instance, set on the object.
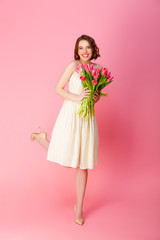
(86, 46)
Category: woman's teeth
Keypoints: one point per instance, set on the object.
(85, 55)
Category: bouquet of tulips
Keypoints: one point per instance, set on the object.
(95, 80)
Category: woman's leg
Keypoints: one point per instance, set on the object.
(43, 142)
(80, 182)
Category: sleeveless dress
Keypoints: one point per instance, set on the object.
(74, 141)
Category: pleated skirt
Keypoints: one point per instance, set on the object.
(74, 141)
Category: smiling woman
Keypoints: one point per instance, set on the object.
(74, 141)
(86, 48)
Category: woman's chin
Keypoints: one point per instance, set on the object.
(85, 60)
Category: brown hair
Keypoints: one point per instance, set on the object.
(95, 49)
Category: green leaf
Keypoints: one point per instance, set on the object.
(103, 94)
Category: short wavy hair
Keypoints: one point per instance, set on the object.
(95, 49)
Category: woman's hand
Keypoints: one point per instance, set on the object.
(96, 97)
(84, 93)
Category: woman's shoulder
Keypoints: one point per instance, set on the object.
(98, 65)
(72, 65)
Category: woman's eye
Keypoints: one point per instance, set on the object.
(81, 48)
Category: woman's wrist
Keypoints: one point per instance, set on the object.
(68, 95)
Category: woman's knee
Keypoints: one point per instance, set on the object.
(81, 169)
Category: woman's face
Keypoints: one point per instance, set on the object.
(84, 51)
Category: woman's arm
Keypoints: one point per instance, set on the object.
(59, 89)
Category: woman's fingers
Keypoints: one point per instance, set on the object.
(87, 95)
(96, 97)
(86, 89)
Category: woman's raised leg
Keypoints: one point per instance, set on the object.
(43, 142)
(41, 138)
(80, 182)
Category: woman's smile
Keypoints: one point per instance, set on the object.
(85, 55)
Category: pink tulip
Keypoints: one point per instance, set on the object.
(90, 67)
(78, 69)
(104, 71)
(83, 65)
(82, 78)
(93, 72)
(110, 79)
(94, 82)
(96, 75)
(86, 67)
(108, 74)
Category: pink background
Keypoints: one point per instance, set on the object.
(37, 40)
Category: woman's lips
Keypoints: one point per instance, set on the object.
(85, 55)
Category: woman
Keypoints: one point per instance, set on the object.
(74, 141)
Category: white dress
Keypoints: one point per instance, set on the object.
(74, 141)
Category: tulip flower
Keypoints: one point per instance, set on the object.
(82, 78)
(95, 80)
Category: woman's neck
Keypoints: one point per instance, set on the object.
(85, 62)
